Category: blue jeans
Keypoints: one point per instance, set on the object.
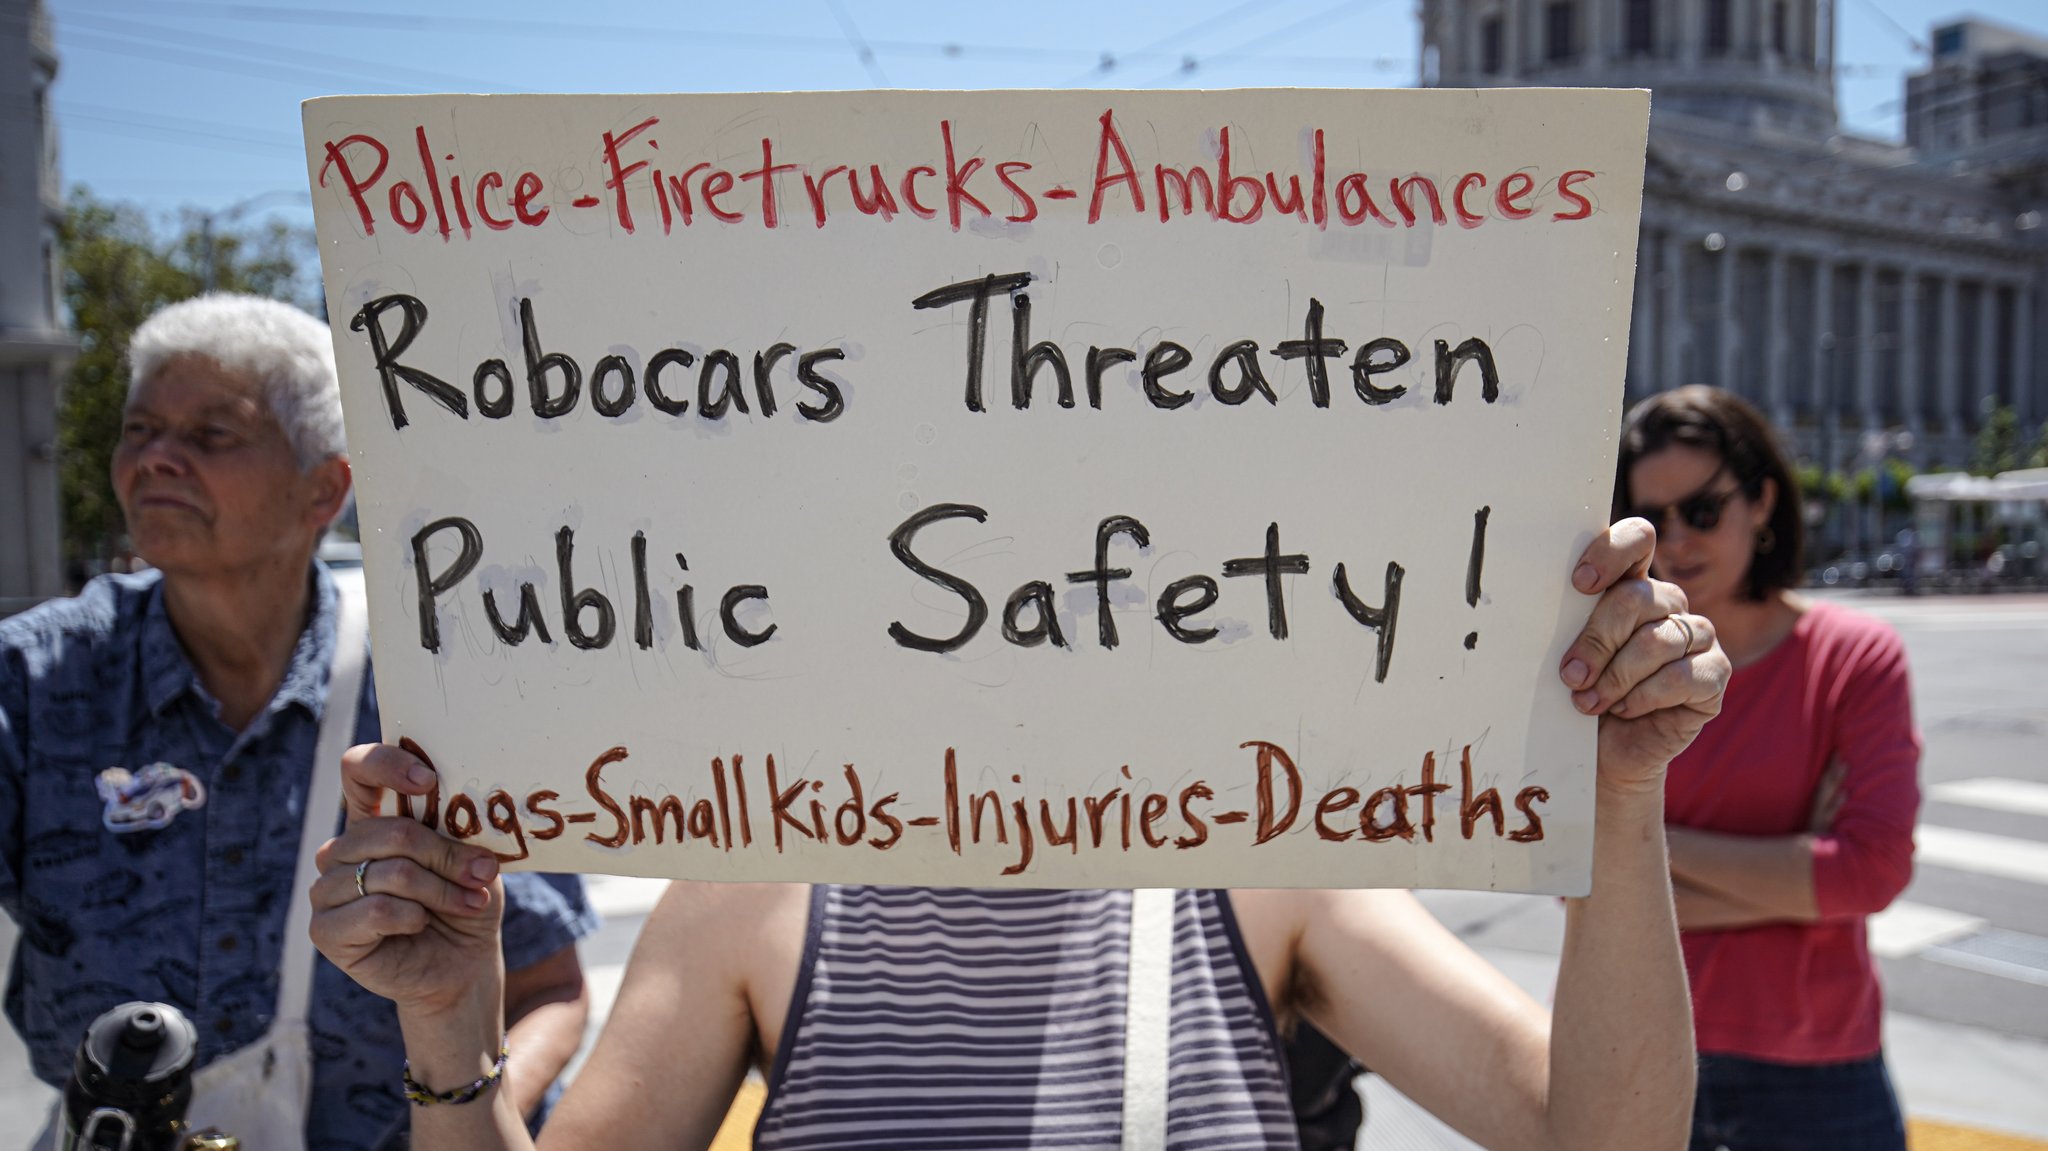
(1750, 1105)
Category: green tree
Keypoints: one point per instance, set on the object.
(2039, 457)
(1998, 443)
(117, 270)
(1896, 474)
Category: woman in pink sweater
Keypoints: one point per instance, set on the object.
(1790, 818)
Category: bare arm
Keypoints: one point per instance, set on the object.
(1856, 853)
(674, 1049)
(1614, 1068)
(547, 1004)
(426, 937)
(1768, 876)
(1702, 910)
(1621, 1050)
(1393, 987)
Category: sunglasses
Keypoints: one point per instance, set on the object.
(1701, 511)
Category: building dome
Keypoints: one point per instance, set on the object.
(1753, 63)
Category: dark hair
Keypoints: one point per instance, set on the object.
(1724, 424)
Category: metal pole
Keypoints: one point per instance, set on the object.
(1827, 421)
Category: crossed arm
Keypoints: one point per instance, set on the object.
(1856, 853)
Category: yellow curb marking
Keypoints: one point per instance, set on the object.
(737, 1132)
(1928, 1135)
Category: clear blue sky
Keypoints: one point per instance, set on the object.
(195, 102)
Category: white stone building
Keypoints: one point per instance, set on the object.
(35, 349)
(1850, 287)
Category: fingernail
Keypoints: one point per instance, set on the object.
(1586, 701)
(418, 775)
(1586, 578)
(484, 868)
(476, 899)
(1576, 671)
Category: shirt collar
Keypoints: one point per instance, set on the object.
(167, 673)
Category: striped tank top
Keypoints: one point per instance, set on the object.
(965, 1018)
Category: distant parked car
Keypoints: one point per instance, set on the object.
(1851, 569)
(1856, 569)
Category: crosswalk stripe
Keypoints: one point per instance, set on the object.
(1981, 622)
(1935, 614)
(1988, 965)
(2023, 796)
(1909, 928)
(1983, 854)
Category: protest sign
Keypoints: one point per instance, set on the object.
(1036, 488)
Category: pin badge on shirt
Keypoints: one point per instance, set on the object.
(147, 800)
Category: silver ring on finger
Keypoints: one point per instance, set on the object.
(362, 871)
(1682, 622)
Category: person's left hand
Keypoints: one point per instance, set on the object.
(1651, 670)
(1828, 797)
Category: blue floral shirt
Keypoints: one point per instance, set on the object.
(176, 888)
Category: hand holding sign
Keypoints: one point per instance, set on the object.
(409, 914)
(1652, 672)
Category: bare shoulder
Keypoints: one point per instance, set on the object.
(1280, 925)
(744, 940)
(717, 920)
(705, 902)
(714, 964)
(1374, 970)
(1287, 913)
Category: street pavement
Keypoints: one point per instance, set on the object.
(1964, 952)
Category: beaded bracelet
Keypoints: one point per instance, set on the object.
(421, 1096)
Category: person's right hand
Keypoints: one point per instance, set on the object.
(426, 934)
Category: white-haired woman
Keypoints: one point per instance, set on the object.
(204, 684)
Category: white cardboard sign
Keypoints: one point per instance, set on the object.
(1042, 488)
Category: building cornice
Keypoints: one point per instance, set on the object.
(29, 346)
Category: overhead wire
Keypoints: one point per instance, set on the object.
(860, 46)
(639, 33)
(261, 50)
(1918, 45)
(221, 62)
(1228, 16)
(1192, 64)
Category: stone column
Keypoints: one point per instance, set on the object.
(2023, 354)
(1728, 357)
(1827, 348)
(1866, 344)
(1987, 348)
(1776, 320)
(1642, 323)
(1593, 53)
(1689, 33)
(1673, 334)
(1910, 360)
(1948, 360)
(1511, 39)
